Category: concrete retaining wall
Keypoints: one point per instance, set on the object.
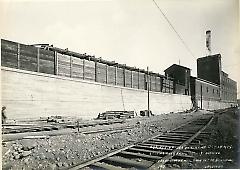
(214, 105)
(32, 95)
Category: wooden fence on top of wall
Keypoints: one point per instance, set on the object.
(31, 58)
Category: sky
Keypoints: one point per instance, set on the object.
(131, 32)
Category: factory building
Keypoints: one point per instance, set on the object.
(212, 88)
(181, 77)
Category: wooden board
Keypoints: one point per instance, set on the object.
(89, 70)
(111, 75)
(77, 68)
(9, 59)
(120, 77)
(135, 79)
(46, 61)
(101, 73)
(141, 81)
(128, 78)
(158, 84)
(64, 65)
(153, 83)
(9, 54)
(28, 58)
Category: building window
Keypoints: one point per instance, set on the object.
(213, 91)
(207, 89)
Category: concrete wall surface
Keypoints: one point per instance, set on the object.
(215, 105)
(29, 94)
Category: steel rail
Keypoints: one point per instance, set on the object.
(160, 164)
(87, 163)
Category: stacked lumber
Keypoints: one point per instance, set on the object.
(116, 114)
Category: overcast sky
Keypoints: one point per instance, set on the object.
(131, 32)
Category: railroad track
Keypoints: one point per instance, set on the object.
(13, 129)
(155, 152)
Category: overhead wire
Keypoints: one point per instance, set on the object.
(171, 25)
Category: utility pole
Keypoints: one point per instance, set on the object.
(148, 90)
(201, 96)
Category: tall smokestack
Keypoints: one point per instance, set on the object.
(208, 42)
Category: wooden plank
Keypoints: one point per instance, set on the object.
(120, 77)
(128, 162)
(154, 147)
(135, 79)
(46, 66)
(9, 46)
(89, 70)
(141, 81)
(153, 83)
(64, 65)
(77, 68)
(160, 163)
(102, 165)
(158, 84)
(128, 78)
(28, 61)
(140, 155)
(9, 59)
(101, 73)
(46, 55)
(111, 75)
(38, 60)
(18, 55)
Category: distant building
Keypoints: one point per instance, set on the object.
(181, 76)
(209, 68)
(228, 88)
(205, 94)
(212, 84)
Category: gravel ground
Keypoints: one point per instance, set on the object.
(57, 152)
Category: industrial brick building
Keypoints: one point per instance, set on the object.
(181, 77)
(213, 88)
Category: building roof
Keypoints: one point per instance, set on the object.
(206, 81)
(176, 65)
(209, 56)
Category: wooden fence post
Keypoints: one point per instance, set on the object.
(70, 66)
(83, 69)
(38, 60)
(18, 55)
